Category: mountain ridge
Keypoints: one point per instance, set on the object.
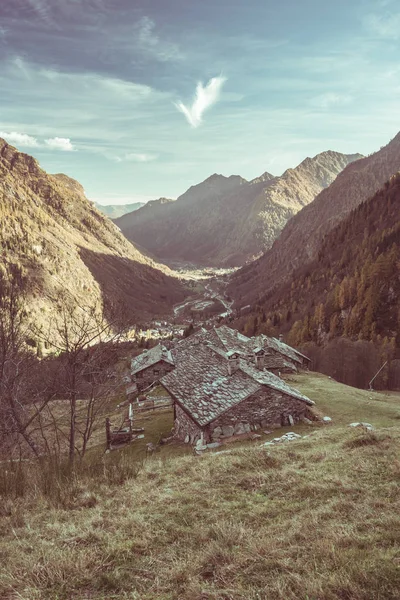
(62, 241)
(226, 221)
(300, 238)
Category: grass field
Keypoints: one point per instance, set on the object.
(315, 519)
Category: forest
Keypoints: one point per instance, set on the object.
(343, 308)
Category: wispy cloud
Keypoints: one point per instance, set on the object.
(329, 100)
(386, 26)
(134, 157)
(150, 43)
(20, 139)
(204, 98)
(41, 8)
(59, 143)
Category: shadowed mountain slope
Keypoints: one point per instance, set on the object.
(62, 241)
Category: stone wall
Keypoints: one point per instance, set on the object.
(266, 409)
(185, 429)
(154, 373)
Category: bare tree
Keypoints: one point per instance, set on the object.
(83, 340)
(23, 392)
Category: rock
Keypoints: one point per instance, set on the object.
(307, 421)
(217, 432)
(247, 428)
(214, 445)
(367, 426)
(267, 432)
(187, 439)
(227, 430)
(239, 429)
(326, 419)
(291, 420)
(255, 436)
(200, 445)
(276, 440)
(267, 444)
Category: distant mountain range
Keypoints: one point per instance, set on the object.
(227, 221)
(301, 238)
(113, 211)
(62, 241)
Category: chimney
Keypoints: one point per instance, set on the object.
(259, 358)
(233, 362)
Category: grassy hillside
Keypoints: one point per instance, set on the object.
(315, 519)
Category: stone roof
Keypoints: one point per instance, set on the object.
(202, 385)
(277, 361)
(280, 347)
(273, 381)
(151, 357)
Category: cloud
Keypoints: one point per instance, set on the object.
(204, 98)
(330, 99)
(41, 9)
(20, 139)
(386, 25)
(140, 157)
(59, 143)
(150, 43)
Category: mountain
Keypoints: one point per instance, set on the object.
(226, 221)
(300, 240)
(343, 306)
(62, 241)
(113, 211)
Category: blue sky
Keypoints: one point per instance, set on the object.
(104, 90)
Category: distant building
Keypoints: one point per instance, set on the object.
(150, 366)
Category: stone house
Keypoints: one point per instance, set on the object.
(150, 366)
(277, 348)
(219, 394)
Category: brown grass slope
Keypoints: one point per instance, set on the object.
(227, 221)
(302, 235)
(48, 226)
(316, 519)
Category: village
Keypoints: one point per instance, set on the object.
(221, 385)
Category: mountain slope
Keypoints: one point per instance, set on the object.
(113, 211)
(228, 221)
(352, 287)
(63, 242)
(300, 239)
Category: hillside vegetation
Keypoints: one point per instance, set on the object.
(317, 518)
(351, 290)
(62, 241)
(301, 238)
(226, 221)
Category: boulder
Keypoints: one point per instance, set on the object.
(214, 445)
(187, 439)
(217, 433)
(326, 419)
(239, 429)
(291, 420)
(228, 430)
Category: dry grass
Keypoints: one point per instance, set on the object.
(316, 519)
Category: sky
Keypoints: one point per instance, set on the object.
(142, 99)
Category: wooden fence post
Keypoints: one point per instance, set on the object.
(108, 433)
